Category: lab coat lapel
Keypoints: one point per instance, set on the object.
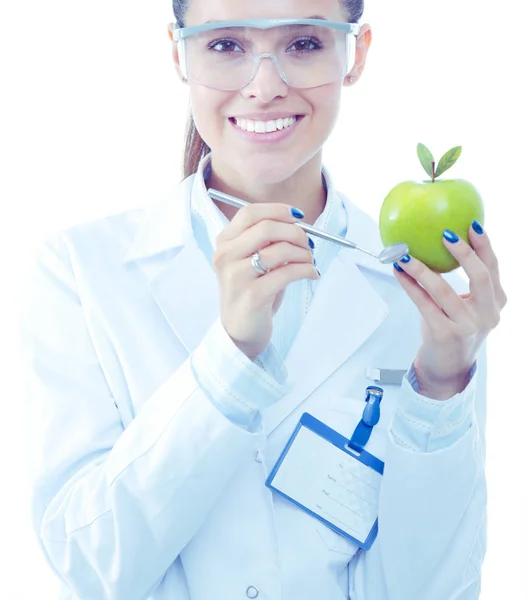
(181, 280)
(187, 293)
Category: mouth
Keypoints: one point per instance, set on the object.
(265, 127)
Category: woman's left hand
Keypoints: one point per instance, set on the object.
(454, 326)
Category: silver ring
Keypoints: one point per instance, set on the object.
(257, 265)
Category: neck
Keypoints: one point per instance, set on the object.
(304, 189)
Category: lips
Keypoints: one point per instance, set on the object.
(266, 137)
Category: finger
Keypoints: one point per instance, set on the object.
(273, 257)
(252, 214)
(480, 282)
(440, 291)
(433, 314)
(261, 235)
(481, 243)
(269, 285)
(281, 253)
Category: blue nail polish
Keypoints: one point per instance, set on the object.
(319, 273)
(450, 236)
(311, 242)
(398, 268)
(297, 213)
(405, 259)
(477, 227)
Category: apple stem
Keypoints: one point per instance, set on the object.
(433, 170)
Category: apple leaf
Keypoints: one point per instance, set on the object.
(426, 158)
(448, 160)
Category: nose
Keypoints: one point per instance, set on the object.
(266, 75)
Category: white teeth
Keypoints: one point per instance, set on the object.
(265, 127)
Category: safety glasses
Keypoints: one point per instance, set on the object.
(225, 55)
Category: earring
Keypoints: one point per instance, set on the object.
(351, 79)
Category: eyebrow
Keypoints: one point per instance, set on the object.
(313, 17)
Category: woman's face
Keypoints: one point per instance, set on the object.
(214, 111)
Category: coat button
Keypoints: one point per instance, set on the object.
(257, 458)
(252, 592)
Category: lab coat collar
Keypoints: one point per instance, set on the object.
(345, 311)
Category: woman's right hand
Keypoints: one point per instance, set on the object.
(249, 301)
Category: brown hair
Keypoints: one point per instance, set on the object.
(195, 147)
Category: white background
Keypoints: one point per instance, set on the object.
(92, 123)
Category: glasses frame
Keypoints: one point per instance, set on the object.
(181, 33)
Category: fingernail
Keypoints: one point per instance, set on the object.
(398, 268)
(311, 242)
(296, 212)
(477, 227)
(450, 236)
(405, 259)
(319, 273)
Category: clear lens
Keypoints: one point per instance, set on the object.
(304, 55)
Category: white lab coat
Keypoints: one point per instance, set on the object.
(143, 489)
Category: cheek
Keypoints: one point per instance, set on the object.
(325, 101)
(207, 109)
(327, 95)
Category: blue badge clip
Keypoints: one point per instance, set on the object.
(371, 414)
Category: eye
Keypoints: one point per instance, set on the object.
(307, 45)
(226, 45)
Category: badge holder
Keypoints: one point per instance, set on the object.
(332, 478)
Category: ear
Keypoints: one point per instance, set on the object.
(364, 39)
(175, 51)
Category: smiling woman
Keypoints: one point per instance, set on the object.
(203, 419)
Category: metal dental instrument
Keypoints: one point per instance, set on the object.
(390, 254)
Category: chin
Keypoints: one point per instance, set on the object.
(269, 168)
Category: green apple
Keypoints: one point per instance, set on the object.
(417, 212)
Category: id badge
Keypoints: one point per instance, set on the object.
(332, 478)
